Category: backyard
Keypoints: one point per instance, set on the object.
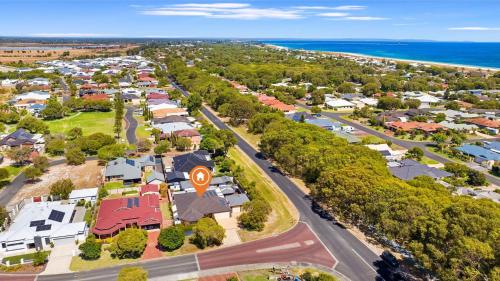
(89, 122)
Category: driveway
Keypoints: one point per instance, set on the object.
(231, 227)
(60, 259)
(152, 251)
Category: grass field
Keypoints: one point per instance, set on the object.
(141, 131)
(283, 216)
(90, 122)
(252, 139)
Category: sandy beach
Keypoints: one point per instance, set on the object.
(355, 55)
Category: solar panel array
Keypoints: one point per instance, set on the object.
(37, 223)
(136, 201)
(56, 216)
(130, 203)
(133, 202)
(43, 227)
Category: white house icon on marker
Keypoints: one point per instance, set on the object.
(200, 177)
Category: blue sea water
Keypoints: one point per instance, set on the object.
(460, 53)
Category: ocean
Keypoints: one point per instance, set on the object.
(457, 53)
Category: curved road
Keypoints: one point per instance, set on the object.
(403, 143)
(131, 125)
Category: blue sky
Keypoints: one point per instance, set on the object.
(446, 20)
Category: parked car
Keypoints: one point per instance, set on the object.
(389, 259)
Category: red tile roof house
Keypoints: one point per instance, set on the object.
(414, 126)
(150, 189)
(191, 134)
(275, 103)
(95, 97)
(117, 214)
(484, 123)
(156, 96)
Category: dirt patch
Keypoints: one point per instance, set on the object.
(83, 176)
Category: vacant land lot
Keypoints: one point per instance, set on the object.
(83, 176)
(284, 214)
(90, 122)
(39, 52)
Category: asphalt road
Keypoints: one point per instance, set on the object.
(131, 125)
(402, 143)
(356, 260)
(156, 268)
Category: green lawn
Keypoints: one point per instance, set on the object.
(17, 259)
(90, 122)
(252, 139)
(114, 185)
(283, 216)
(14, 170)
(141, 131)
(79, 264)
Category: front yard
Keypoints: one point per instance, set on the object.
(79, 264)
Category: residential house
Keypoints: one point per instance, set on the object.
(150, 189)
(87, 195)
(128, 170)
(40, 224)
(426, 128)
(468, 128)
(160, 113)
(171, 119)
(22, 138)
(387, 151)
(339, 104)
(193, 135)
(186, 162)
(188, 207)
(487, 155)
(118, 214)
(491, 125)
(409, 169)
(169, 128)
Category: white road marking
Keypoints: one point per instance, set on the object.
(197, 263)
(278, 248)
(363, 260)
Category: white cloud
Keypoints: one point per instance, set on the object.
(333, 14)
(73, 35)
(224, 11)
(215, 5)
(365, 18)
(475, 28)
(349, 8)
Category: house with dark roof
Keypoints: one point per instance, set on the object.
(128, 170)
(188, 207)
(408, 169)
(186, 162)
(171, 119)
(22, 138)
(117, 214)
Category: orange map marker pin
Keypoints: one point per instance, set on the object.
(200, 178)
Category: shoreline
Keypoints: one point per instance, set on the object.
(346, 54)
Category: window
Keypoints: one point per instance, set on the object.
(47, 240)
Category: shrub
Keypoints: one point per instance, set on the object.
(171, 238)
(90, 249)
(130, 243)
(207, 233)
(39, 258)
(75, 156)
(62, 188)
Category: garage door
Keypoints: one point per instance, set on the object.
(64, 241)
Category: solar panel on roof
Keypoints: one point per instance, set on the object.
(43, 227)
(136, 201)
(37, 223)
(56, 215)
(130, 203)
(130, 162)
